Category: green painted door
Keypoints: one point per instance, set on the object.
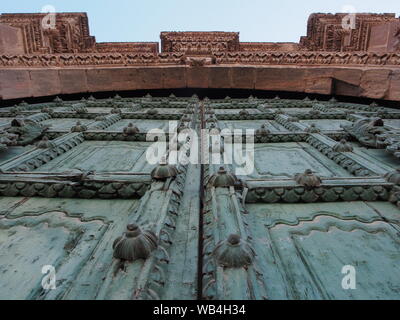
(267, 231)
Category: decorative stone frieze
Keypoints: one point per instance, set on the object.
(134, 244)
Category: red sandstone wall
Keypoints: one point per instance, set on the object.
(11, 41)
(385, 37)
(370, 82)
(201, 59)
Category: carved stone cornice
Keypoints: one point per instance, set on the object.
(199, 43)
(309, 58)
(245, 58)
(325, 32)
(142, 47)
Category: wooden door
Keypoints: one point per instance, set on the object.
(260, 235)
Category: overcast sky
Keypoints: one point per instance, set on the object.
(256, 20)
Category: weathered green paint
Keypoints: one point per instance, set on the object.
(71, 201)
(95, 156)
(303, 247)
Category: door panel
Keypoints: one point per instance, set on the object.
(61, 233)
(98, 156)
(302, 249)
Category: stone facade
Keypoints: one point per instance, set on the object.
(361, 62)
(325, 32)
(69, 35)
(367, 32)
(10, 38)
(199, 43)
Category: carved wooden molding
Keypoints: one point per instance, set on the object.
(330, 190)
(69, 185)
(37, 157)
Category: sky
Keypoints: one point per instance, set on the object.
(256, 20)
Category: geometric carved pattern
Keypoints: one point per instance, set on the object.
(198, 43)
(325, 32)
(71, 32)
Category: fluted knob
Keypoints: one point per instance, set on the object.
(134, 244)
(164, 171)
(308, 179)
(223, 179)
(343, 146)
(130, 129)
(45, 143)
(234, 252)
(78, 127)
